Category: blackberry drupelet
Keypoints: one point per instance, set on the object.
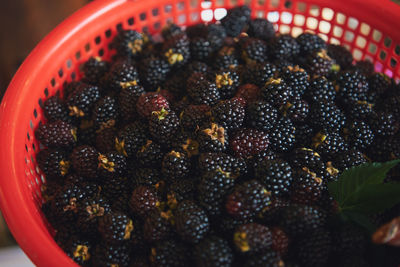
(252, 238)
(58, 134)
(229, 114)
(54, 163)
(296, 110)
(347, 159)
(122, 74)
(248, 142)
(284, 47)
(236, 20)
(202, 91)
(296, 78)
(276, 92)
(55, 109)
(175, 165)
(282, 137)
(150, 154)
(318, 63)
(149, 102)
(258, 73)
(276, 175)
(307, 188)
(84, 161)
(254, 50)
(105, 112)
(111, 164)
(128, 43)
(326, 115)
(82, 99)
(261, 115)
(341, 55)
(143, 200)
(194, 116)
(153, 72)
(157, 226)
(227, 82)
(212, 138)
(213, 251)
(131, 138)
(320, 89)
(310, 43)
(94, 69)
(261, 29)
(163, 126)
(115, 227)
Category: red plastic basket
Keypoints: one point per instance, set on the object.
(369, 28)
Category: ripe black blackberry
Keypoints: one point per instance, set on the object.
(296, 110)
(307, 187)
(304, 134)
(122, 74)
(148, 177)
(383, 124)
(276, 92)
(298, 219)
(254, 50)
(78, 249)
(296, 78)
(105, 139)
(265, 258)
(248, 142)
(351, 86)
(348, 239)
(54, 163)
(379, 83)
(157, 226)
(276, 175)
(392, 105)
(248, 199)
(282, 137)
(115, 227)
(84, 160)
(227, 82)
(115, 186)
(149, 154)
(90, 210)
(318, 63)
(213, 188)
(107, 254)
(111, 164)
(226, 58)
(229, 114)
(175, 165)
(131, 138)
(320, 89)
(202, 91)
(82, 99)
(153, 72)
(55, 109)
(169, 253)
(163, 126)
(94, 69)
(170, 30)
(191, 221)
(366, 67)
(261, 115)
(261, 28)
(326, 115)
(86, 134)
(306, 157)
(358, 134)
(213, 251)
(236, 20)
(143, 200)
(225, 162)
(212, 138)
(327, 144)
(284, 47)
(252, 238)
(315, 248)
(360, 110)
(341, 55)
(58, 134)
(176, 50)
(195, 116)
(149, 102)
(180, 190)
(258, 73)
(105, 112)
(200, 48)
(216, 34)
(347, 159)
(128, 43)
(310, 43)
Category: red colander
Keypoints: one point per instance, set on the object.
(369, 28)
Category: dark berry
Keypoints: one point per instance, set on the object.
(248, 142)
(84, 160)
(252, 238)
(149, 102)
(213, 251)
(191, 221)
(229, 114)
(56, 134)
(261, 115)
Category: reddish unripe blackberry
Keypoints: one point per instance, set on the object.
(78, 249)
(347, 159)
(55, 109)
(90, 210)
(315, 248)
(341, 55)
(115, 227)
(296, 78)
(227, 82)
(143, 200)
(128, 43)
(261, 28)
(296, 110)
(194, 116)
(248, 199)
(54, 163)
(252, 238)
(111, 164)
(284, 47)
(258, 73)
(169, 253)
(261, 115)
(227, 163)
(108, 254)
(213, 251)
(265, 258)
(202, 91)
(122, 74)
(310, 43)
(254, 50)
(212, 138)
(307, 187)
(249, 92)
(320, 89)
(276, 175)
(175, 165)
(163, 126)
(81, 101)
(280, 241)
(105, 112)
(283, 136)
(131, 138)
(149, 102)
(229, 113)
(157, 226)
(276, 92)
(236, 20)
(326, 115)
(248, 142)
(149, 154)
(94, 69)
(105, 139)
(84, 160)
(56, 134)
(191, 221)
(176, 50)
(384, 124)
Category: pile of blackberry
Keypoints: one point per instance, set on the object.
(214, 147)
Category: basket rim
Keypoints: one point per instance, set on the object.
(13, 193)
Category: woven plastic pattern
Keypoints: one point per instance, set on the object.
(366, 28)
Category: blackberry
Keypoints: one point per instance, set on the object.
(54, 163)
(276, 92)
(284, 47)
(107, 254)
(296, 110)
(280, 241)
(201, 90)
(261, 115)
(328, 144)
(229, 114)
(384, 124)
(226, 58)
(307, 187)
(212, 138)
(227, 82)
(271, 215)
(149, 102)
(143, 200)
(153, 72)
(128, 43)
(94, 69)
(216, 34)
(115, 186)
(105, 140)
(254, 50)
(180, 190)
(379, 83)
(200, 48)
(163, 125)
(213, 251)
(304, 134)
(314, 249)
(115, 227)
(212, 189)
(175, 165)
(81, 101)
(351, 86)
(111, 164)
(366, 67)
(191, 221)
(266, 258)
(249, 92)
(347, 159)
(105, 112)
(176, 50)
(78, 249)
(248, 199)
(122, 75)
(258, 73)
(120, 203)
(306, 157)
(299, 219)
(146, 176)
(195, 116)
(252, 238)
(319, 63)
(326, 115)
(84, 161)
(169, 253)
(236, 20)
(360, 110)
(185, 142)
(149, 154)
(310, 43)
(170, 30)
(86, 134)
(90, 211)
(261, 29)
(341, 55)
(197, 66)
(391, 105)
(348, 239)
(276, 175)
(296, 78)
(131, 138)
(248, 142)
(320, 89)
(283, 136)
(55, 109)
(58, 134)
(157, 226)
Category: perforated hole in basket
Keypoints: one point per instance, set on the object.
(292, 17)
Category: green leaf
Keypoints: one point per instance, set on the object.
(373, 198)
(361, 220)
